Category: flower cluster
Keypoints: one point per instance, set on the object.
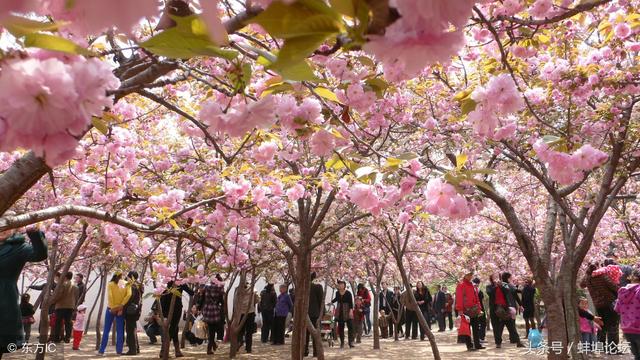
(239, 119)
(566, 168)
(47, 102)
(498, 98)
(422, 36)
(442, 199)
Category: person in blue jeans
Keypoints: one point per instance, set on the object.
(118, 293)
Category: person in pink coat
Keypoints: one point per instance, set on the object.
(628, 306)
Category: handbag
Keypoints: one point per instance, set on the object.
(200, 328)
(502, 312)
(471, 311)
(28, 319)
(132, 309)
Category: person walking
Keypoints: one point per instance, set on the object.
(27, 311)
(211, 305)
(448, 308)
(424, 300)
(172, 291)
(64, 301)
(528, 304)
(397, 309)
(503, 302)
(604, 292)
(132, 311)
(468, 308)
(344, 312)
(363, 292)
(358, 319)
(82, 288)
(78, 326)
(628, 306)
(316, 309)
(439, 307)
(385, 297)
(482, 318)
(266, 307)
(284, 306)
(118, 294)
(411, 317)
(246, 307)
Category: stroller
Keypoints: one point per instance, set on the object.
(328, 326)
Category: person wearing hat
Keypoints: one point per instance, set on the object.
(78, 326)
(469, 309)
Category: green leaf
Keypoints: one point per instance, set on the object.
(19, 26)
(189, 38)
(293, 53)
(300, 71)
(393, 162)
(327, 94)
(335, 163)
(364, 171)
(378, 85)
(277, 88)
(408, 156)
(344, 7)
(366, 61)
(302, 18)
(461, 160)
(467, 105)
(54, 43)
(99, 124)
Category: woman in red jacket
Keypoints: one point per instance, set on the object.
(468, 308)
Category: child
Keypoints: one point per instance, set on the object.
(383, 324)
(78, 327)
(358, 318)
(588, 329)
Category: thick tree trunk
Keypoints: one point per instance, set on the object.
(314, 330)
(555, 322)
(301, 304)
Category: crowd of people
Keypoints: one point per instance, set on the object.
(613, 291)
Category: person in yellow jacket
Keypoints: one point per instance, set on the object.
(118, 294)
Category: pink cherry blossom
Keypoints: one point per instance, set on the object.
(541, 9)
(622, 30)
(296, 192)
(265, 152)
(322, 143)
(364, 196)
(91, 17)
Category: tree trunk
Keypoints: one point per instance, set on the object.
(414, 304)
(101, 308)
(555, 322)
(301, 304)
(93, 307)
(314, 330)
(376, 328)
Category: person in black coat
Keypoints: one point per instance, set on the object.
(424, 300)
(482, 318)
(439, 306)
(132, 311)
(165, 304)
(385, 298)
(344, 311)
(316, 310)
(528, 304)
(266, 307)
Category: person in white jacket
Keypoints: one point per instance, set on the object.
(78, 326)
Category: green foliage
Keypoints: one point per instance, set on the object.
(54, 43)
(19, 26)
(305, 25)
(189, 38)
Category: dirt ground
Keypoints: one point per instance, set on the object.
(390, 350)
